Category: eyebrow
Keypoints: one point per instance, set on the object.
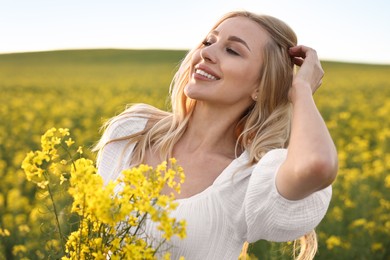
(234, 39)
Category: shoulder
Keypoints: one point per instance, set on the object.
(118, 140)
(273, 157)
(124, 125)
(131, 121)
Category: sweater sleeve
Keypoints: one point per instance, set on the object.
(115, 155)
(272, 217)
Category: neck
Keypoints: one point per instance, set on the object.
(211, 129)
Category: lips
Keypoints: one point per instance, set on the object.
(206, 72)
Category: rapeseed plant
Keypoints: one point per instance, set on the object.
(110, 217)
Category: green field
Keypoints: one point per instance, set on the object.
(80, 89)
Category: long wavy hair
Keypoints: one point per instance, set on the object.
(263, 127)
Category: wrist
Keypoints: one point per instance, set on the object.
(299, 91)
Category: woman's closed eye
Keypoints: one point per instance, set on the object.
(229, 50)
(206, 43)
(233, 52)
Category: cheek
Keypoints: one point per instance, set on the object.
(243, 77)
(252, 76)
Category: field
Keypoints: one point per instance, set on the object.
(80, 89)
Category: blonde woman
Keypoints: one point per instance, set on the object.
(258, 158)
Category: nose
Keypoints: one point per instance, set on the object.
(209, 53)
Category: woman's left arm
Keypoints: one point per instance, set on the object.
(311, 162)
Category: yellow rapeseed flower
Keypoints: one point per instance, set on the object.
(62, 179)
(43, 184)
(359, 222)
(69, 142)
(4, 232)
(18, 249)
(376, 247)
(63, 131)
(336, 213)
(387, 181)
(24, 229)
(332, 242)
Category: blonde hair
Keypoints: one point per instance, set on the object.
(306, 247)
(264, 126)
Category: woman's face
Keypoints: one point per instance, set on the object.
(225, 69)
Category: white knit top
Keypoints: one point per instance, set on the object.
(242, 204)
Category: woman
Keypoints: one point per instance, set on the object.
(258, 158)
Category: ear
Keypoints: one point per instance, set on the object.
(254, 95)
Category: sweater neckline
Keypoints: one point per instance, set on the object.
(206, 191)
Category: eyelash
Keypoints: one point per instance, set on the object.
(229, 50)
(206, 43)
(233, 52)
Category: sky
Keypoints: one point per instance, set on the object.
(340, 30)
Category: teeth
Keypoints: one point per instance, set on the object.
(205, 74)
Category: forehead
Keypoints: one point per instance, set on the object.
(246, 29)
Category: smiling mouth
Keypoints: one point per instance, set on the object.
(205, 74)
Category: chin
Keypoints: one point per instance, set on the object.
(196, 92)
(190, 92)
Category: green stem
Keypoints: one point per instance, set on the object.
(140, 223)
(81, 229)
(70, 155)
(158, 247)
(102, 230)
(56, 216)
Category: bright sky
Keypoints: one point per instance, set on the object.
(342, 30)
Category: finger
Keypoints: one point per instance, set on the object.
(298, 51)
(302, 51)
(297, 61)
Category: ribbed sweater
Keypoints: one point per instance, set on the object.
(242, 204)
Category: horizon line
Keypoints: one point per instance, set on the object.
(351, 61)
